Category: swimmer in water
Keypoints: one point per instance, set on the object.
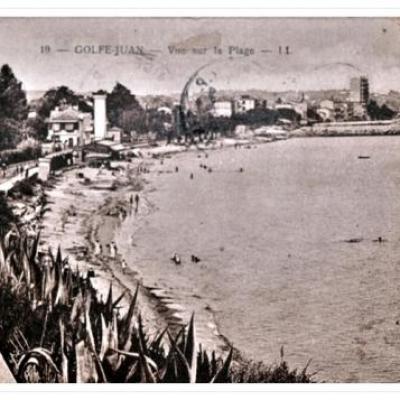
(176, 259)
(195, 259)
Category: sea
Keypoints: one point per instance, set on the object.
(298, 244)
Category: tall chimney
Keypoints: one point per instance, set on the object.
(100, 119)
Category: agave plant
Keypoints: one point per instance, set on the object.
(62, 331)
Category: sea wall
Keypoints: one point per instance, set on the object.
(357, 128)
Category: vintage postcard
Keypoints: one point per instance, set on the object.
(199, 200)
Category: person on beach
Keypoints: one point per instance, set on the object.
(97, 250)
(90, 273)
(191, 176)
(124, 266)
(176, 169)
(112, 250)
(137, 199)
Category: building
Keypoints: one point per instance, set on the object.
(101, 150)
(261, 104)
(327, 104)
(68, 127)
(359, 90)
(222, 109)
(301, 109)
(343, 111)
(326, 114)
(358, 111)
(114, 134)
(100, 116)
(165, 110)
(287, 115)
(243, 104)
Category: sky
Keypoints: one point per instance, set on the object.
(324, 53)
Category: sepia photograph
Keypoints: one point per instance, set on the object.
(199, 200)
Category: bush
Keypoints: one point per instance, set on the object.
(6, 215)
(25, 188)
(19, 155)
(54, 327)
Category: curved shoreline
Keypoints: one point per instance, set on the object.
(158, 307)
(166, 307)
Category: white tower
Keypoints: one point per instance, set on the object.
(100, 119)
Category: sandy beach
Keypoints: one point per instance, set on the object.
(79, 213)
(284, 282)
(88, 205)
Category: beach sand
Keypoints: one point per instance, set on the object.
(79, 213)
(86, 205)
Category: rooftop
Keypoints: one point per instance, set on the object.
(69, 114)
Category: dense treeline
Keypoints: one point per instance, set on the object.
(13, 109)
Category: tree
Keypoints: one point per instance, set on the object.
(376, 112)
(159, 122)
(386, 112)
(119, 102)
(13, 103)
(373, 109)
(132, 120)
(51, 99)
(10, 133)
(13, 108)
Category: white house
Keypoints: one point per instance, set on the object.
(69, 127)
(244, 103)
(222, 109)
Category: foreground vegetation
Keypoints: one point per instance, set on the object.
(54, 327)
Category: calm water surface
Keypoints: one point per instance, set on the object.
(276, 268)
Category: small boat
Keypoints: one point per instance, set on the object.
(379, 240)
(354, 240)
